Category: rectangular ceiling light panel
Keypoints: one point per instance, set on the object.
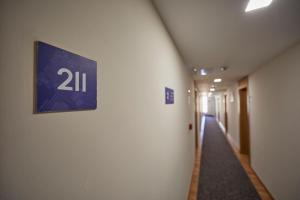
(256, 4)
(217, 80)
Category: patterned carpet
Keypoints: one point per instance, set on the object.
(221, 175)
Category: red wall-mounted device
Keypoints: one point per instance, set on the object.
(190, 126)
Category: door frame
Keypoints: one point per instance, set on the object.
(244, 128)
(225, 113)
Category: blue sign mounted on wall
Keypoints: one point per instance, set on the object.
(65, 81)
(169, 95)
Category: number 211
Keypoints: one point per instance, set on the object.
(64, 85)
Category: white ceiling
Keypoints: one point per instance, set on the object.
(213, 33)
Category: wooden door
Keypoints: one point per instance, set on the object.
(244, 123)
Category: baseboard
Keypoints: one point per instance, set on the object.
(232, 141)
(202, 128)
(222, 126)
(229, 137)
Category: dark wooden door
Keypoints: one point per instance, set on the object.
(244, 123)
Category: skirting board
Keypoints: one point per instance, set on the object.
(222, 127)
(229, 137)
(233, 142)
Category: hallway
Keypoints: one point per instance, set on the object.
(102, 99)
(222, 177)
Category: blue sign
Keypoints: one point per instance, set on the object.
(65, 81)
(169, 95)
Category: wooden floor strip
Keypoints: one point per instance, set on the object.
(195, 177)
(196, 171)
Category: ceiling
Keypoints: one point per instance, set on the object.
(214, 33)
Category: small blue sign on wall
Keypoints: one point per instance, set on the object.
(169, 95)
(65, 81)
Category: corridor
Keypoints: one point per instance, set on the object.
(149, 99)
(221, 174)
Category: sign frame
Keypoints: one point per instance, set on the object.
(169, 96)
(65, 81)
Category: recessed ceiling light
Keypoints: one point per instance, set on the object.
(223, 68)
(195, 69)
(203, 72)
(256, 4)
(217, 80)
(212, 89)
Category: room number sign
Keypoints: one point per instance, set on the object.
(65, 81)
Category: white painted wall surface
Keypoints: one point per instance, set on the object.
(133, 146)
(220, 107)
(211, 105)
(233, 114)
(274, 124)
(274, 110)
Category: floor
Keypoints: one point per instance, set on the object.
(244, 160)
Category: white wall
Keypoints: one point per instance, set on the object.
(233, 114)
(211, 105)
(220, 109)
(133, 146)
(274, 124)
(274, 130)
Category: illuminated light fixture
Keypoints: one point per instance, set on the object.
(195, 69)
(212, 89)
(223, 68)
(203, 72)
(256, 4)
(217, 80)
